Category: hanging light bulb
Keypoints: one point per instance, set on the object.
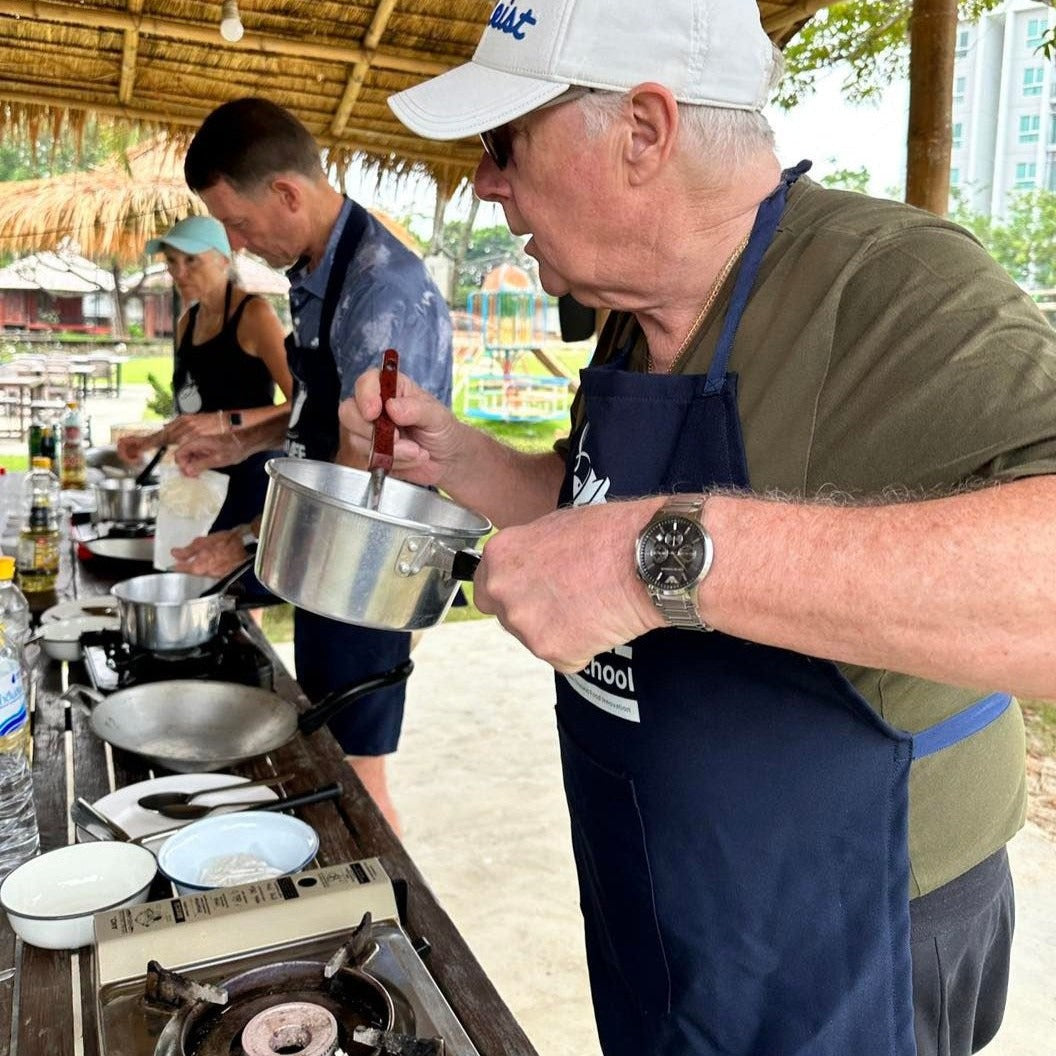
(230, 22)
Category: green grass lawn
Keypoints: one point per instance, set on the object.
(135, 371)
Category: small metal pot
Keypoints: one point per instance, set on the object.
(396, 567)
(123, 500)
(163, 612)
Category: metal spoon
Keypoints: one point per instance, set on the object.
(193, 811)
(384, 435)
(84, 814)
(161, 800)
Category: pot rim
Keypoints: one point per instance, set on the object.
(158, 603)
(275, 471)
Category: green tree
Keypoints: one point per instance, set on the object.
(1022, 242)
(848, 179)
(27, 154)
(474, 256)
(870, 36)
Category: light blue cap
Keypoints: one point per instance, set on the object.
(194, 235)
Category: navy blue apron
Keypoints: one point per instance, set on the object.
(314, 429)
(330, 655)
(739, 812)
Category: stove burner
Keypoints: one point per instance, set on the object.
(230, 656)
(352, 998)
(129, 530)
(297, 1027)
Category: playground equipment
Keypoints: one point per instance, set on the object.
(514, 327)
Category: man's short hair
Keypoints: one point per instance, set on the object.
(246, 142)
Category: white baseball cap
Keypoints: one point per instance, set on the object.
(707, 52)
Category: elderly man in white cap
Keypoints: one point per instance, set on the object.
(789, 565)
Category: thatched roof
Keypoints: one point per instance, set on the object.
(111, 210)
(163, 64)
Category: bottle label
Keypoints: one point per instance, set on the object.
(13, 712)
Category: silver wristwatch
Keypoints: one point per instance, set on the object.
(673, 554)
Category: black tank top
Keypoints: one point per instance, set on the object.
(218, 374)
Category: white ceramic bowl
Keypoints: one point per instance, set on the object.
(232, 843)
(62, 638)
(50, 899)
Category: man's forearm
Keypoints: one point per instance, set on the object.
(959, 590)
(505, 485)
(265, 434)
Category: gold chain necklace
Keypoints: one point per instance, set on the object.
(717, 285)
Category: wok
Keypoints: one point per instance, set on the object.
(193, 726)
(124, 551)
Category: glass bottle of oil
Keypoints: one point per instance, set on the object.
(39, 541)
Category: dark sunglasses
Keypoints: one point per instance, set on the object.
(498, 142)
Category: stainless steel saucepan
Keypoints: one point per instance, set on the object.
(326, 548)
(124, 500)
(192, 726)
(164, 612)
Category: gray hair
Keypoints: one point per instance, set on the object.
(710, 133)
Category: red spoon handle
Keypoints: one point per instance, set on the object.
(384, 431)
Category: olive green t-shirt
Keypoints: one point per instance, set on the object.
(884, 354)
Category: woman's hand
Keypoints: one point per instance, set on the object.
(130, 448)
(192, 426)
(199, 453)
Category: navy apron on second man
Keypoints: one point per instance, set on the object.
(739, 812)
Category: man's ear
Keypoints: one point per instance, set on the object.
(653, 116)
(290, 191)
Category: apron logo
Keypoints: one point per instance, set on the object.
(587, 488)
(607, 682)
(507, 19)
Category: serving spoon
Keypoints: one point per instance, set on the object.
(162, 801)
(193, 811)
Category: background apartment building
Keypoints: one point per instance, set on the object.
(1004, 107)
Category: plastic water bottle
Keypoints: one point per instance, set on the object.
(15, 618)
(19, 836)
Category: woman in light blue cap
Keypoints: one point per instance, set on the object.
(229, 358)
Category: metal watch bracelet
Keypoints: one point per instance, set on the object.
(681, 610)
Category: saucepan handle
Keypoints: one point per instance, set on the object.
(464, 565)
(332, 703)
(425, 551)
(83, 695)
(222, 584)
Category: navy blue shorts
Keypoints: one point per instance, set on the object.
(961, 941)
(330, 655)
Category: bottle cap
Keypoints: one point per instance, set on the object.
(41, 463)
(7, 568)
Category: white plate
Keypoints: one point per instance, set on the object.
(121, 806)
(62, 638)
(67, 610)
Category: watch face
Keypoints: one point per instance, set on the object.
(672, 553)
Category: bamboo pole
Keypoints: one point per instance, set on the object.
(353, 139)
(190, 33)
(933, 39)
(382, 14)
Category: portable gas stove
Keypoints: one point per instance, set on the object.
(230, 655)
(314, 964)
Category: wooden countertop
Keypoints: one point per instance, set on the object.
(47, 1005)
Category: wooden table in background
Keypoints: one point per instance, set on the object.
(47, 1003)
